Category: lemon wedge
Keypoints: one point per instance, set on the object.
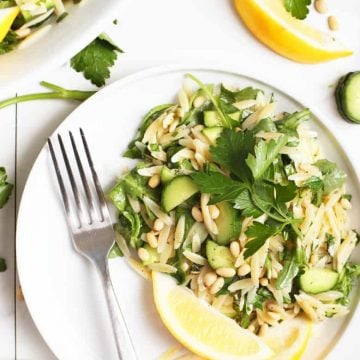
(200, 327)
(295, 39)
(7, 17)
(289, 339)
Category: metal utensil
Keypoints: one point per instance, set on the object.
(91, 228)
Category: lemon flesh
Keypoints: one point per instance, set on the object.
(289, 339)
(269, 21)
(7, 17)
(201, 328)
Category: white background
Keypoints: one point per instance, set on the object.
(151, 33)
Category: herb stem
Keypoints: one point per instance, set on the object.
(58, 93)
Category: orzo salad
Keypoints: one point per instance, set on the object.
(21, 18)
(236, 201)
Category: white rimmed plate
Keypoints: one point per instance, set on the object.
(61, 288)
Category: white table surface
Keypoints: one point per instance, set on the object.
(151, 33)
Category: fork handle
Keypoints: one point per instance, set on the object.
(123, 342)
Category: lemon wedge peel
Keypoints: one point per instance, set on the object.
(295, 39)
(200, 327)
(7, 17)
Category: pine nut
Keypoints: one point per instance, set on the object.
(263, 329)
(314, 258)
(143, 254)
(151, 239)
(321, 6)
(154, 181)
(235, 249)
(333, 23)
(264, 282)
(346, 204)
(226, 272)
(198, 101)
(209, 278)
(185, 266)
(244, 269)
(158, 225)
(197, 214)
(214, 211)
(217, 285)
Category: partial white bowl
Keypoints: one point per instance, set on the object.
(56, 45)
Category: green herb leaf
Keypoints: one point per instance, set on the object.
(289, 124)
(345, 282)
(265, 154)
(231, 151)
(9, 42)
(96, 59)
(244, 202)
(215, 183)
(258, 233)
(3, 266)
(333, 177)
(261, 296)
(5, 188)
(298, 8)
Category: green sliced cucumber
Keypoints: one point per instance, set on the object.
(166, 174)
(219, 256)
(347, 97)
(49, 4)
(177, 191)
(154, 256)
(211, 118)
(315, 280)
(236, 115)
(212, 133)
(228, 223)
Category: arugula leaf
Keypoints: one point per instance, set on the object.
(96, 59)
(297, 8)
(215, 183)
(333, 177)
(9, 42)
(3, 266)
(133, 152)
(292, 267)
(227, 122)
(345, 282)
(265, 154)
(290, 123)
(261, 296)
(5, 188)
(258, 233)
(231, 151)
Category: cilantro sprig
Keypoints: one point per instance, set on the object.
(96, 59)
(299, 9)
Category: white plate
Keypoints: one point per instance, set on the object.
(61, 288)
(84, 22)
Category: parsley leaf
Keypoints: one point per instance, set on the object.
(259, 233)
(345, 282)
(289, 124)
(265, 154)
(261, 296)
(215, 183)
(9, 42)
(96, 59)
(231, 151)
(244, 202)
(5, 188)
(298, 8)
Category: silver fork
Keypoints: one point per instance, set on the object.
(92, 231)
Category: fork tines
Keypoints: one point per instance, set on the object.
(84, 214)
